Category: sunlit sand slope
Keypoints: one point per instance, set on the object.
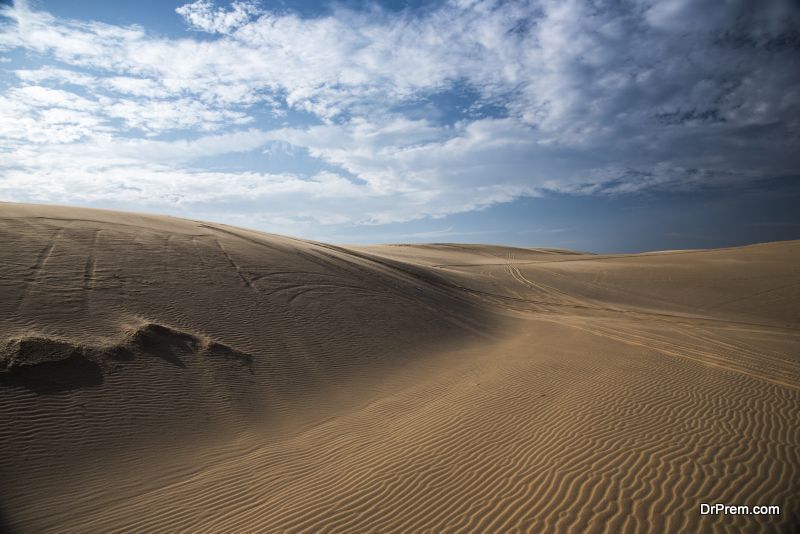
(160, 374)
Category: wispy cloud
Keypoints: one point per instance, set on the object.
(205, 16)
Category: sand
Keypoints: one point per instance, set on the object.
(160, 374)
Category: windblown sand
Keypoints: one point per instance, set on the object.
(160, 374)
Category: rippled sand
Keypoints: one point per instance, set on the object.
(161, 374)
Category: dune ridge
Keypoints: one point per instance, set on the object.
(162, 374)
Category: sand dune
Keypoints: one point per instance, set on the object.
(161, 374)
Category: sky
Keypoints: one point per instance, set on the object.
(605, 126)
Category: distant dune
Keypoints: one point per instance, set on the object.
(160, 374)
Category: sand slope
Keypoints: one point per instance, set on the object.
(160, 374)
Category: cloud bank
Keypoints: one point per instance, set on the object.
(392, 116)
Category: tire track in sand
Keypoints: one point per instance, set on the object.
(236, 267)
(38, 268)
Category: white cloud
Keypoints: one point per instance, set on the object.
(38, 97)
(141, 87)
(34, 114)
(183, 113)
(402, 155)
(61, 76)
(203, 15)
(43, 105)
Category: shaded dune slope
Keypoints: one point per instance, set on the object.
(174, 331)
(160, 374)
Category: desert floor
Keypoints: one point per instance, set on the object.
(160, 374)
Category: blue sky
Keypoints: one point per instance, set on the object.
(608, 126)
